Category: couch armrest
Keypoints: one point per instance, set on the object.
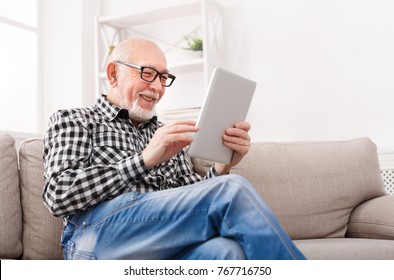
(373, 219)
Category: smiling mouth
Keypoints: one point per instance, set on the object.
(147, 98)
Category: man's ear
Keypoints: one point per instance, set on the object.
(112, 69)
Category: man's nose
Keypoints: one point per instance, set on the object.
(156, 85)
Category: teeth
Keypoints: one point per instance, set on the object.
(147, 98)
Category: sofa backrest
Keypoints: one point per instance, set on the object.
(312, 187)
(41, 231)
(10, 204)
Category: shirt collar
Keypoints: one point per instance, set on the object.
(111, 111)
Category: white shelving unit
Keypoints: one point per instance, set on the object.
(167, 26)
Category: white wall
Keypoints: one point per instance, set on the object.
(67, 54)
(324, 68)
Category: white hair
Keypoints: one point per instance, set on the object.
(136, 113)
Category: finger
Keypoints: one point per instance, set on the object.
(176, 138)
(243, 125)
(187, 122)
(239, 133)
(179, 128)
(241, 149)
(236, 140)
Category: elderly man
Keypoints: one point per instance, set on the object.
(126, 190)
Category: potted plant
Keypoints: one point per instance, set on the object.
(110, 49)
(194, 44)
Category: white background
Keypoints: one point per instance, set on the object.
(322, 270)
(324, 68)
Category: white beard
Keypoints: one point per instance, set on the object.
(136, 113)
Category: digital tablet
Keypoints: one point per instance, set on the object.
(226, 102)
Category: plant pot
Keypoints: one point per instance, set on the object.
(195, 54)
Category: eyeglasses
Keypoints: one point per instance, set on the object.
(150, 74)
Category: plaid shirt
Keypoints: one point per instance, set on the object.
(94, 154)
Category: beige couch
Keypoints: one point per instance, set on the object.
(329, 197)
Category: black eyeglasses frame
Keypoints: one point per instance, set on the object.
(158, 74)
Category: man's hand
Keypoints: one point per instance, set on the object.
(237, 139)
(167, 142)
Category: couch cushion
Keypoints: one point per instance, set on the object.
(201, 166)
(373, 219)
(10, 205)
(312, 187)
(346, 249)
(41, 231)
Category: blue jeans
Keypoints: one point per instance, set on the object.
(219, 218)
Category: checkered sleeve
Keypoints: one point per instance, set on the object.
(72, 183)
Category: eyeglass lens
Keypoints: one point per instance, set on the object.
(149, 74)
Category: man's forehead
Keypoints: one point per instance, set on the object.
(161, 67)
(148, 54)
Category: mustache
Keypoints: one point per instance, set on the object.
(150, 94)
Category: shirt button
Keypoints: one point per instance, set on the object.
(84, 224)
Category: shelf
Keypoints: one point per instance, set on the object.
(155, 15)
(187, 66)
(167, 24)
(180, 114)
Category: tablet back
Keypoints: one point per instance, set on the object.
(226, 102)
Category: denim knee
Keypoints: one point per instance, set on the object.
(238, 180)
(217, 248)
(234, 183)
(228, 249)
